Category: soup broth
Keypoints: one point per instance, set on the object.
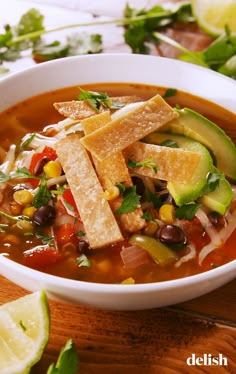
(57, 250)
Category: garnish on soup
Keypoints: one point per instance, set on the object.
(125, 188)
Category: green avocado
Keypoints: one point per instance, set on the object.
(184, 193)
(199, 128)
(219, 199)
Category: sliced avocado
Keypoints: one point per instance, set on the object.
(184, 193)
(219, 199)
(197, 127)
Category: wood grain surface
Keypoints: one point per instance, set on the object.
(143, 342)
(156, 341)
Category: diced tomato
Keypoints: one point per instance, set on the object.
(69, 199)
(195, 233)
(66, 234)
(37, 157)
(41, 257)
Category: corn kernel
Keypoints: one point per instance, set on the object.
(29, 211)
(52, 169)
(151, 228)
(166, 213)
(111, 193)
(23, 197)
(129, 280)
(25, 225)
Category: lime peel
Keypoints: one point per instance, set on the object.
(24, 332)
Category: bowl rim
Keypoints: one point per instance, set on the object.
(117, 288)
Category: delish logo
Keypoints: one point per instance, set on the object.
(207, 359)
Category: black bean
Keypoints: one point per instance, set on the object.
(83, 246)
(44, 216)
(140, 188)
(171, 234)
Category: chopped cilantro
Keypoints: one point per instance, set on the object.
(95, 99)
(43, 195)
(130, 200)
(80, 233)
(187, 211)
(48, 240)
(147, 216)
(83, 260)
(169, 93)
(154, 199)
(148, 163)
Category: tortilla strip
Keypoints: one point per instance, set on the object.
(79, 110)
(173, 164)
(128, 128)
(111, 171)
(99, 221)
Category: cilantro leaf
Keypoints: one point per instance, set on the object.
(43, 195)
(130, 200)
(83, 260)
(19, 173)
(169, 93)
(147, 216)
(29, 22)
(148, 163)
(48, 240)
(95, 99)
(68, 360)
(187, 211)
(154, 199)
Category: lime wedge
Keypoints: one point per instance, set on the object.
(213, 15)
(24, 332)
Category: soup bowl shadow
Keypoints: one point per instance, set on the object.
(118, 68)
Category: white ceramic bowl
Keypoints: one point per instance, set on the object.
(118, 68)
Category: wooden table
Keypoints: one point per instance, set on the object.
(145, 342)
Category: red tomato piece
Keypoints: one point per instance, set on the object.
(41, 257)
(48, 153)
(69, 199)
(66, 234)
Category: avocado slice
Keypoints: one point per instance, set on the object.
(184, 193)
(197, 127)
(219, 199)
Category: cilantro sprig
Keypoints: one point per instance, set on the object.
(68, 361)
(130, 200)
(141, 27)
(148, 163)
(95, 99)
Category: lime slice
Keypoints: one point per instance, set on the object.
(24, 331)
(213, 15)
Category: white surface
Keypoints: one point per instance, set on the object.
(129, 68)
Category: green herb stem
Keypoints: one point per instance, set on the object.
(118, 22)
(179, 46)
